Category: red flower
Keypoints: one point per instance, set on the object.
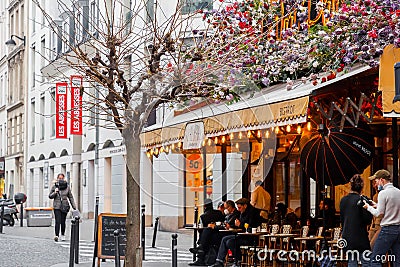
(373, 34)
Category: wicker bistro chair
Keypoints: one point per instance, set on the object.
(285, 242)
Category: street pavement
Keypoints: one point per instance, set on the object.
(34, 246)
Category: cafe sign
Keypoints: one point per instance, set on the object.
(194, 135)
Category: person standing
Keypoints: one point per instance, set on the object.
(389, 206)
(355, 221)
(261, 199)
(375, 228)
(62, 195)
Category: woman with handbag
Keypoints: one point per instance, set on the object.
(62, 195)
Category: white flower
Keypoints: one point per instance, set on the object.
(315, 64)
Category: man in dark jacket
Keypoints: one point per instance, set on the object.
(248, 215)
(355, 219)
(210, 215)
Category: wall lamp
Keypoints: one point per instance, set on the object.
(11, 43)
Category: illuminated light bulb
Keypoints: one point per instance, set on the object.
(240, 135)
(299, 129)
(231, 136)
(151, 152)
(203, 143)
(216, 140)
(290, 142)
(148, 154)
(173, 146)
(180, 144)
(248, 134)
(309, 126)
(167, 149)
(267, 134)
(237, 145)
(209, 142)
(259, 134)
(288, 128)
(223, 139)
(276, 130)
(162, 149)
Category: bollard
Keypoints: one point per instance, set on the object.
(196, 215)
(21, 215)
(143, 231)
(1, 217)
(174, 250)
(96, 225)
(76, 237)
(72, 244)
(153, 244)
(117, 253)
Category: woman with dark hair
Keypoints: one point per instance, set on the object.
(62, 195)
(355, 219)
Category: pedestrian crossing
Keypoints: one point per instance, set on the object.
(157, 254)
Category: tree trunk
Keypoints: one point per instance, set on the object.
(132, 143)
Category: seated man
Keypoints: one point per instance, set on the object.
(212, 236)
(210, 215)
(249, 215)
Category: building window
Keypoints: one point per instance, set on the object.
(32, 122)
(43, 55)
(33, 65)
(93, 17)
(53, 112)
(41, 117)
(33, 18)
(190, 6)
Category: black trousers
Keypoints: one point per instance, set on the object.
(60, 221)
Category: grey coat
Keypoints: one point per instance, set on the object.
(62, 194)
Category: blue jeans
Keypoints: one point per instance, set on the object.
(388, 239)
(354, 262)
(229, 242)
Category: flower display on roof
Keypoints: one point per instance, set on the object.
(295, 41)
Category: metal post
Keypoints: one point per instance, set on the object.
(96, 218)
(77, 239)
(72, 244)
(153, 244)
(196, 215)
(117, 253)
(21, 215)
(1, 217)
(395, 147)
(174, 250)
(143, 231)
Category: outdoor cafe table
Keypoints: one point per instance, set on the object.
(255, 237)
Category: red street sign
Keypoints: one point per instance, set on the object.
(76, 104)
(61, 110)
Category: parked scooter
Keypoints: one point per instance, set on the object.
(10, 211)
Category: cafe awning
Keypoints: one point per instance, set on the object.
(276, 106)
(390, 56)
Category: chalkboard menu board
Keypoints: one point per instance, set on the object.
(108, 223)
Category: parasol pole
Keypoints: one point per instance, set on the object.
(322, 131)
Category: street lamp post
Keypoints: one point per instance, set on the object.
(11, 43)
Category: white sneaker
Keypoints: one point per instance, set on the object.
(63, 238)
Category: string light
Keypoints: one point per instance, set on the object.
(259, 134)
(223, 139)
(162, 149)
(148, 154)
(209, 142)
(248, 134)
(288, 128)
(232, 135)
(309, 126)
(240, 135)
(299, 129)
(180, 144)
(216, 140)
(237, 145)
(167, 149)
(276, 130)
(151, 152)
(203, 143)
(267, 134)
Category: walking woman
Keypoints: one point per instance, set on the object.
(61, 193)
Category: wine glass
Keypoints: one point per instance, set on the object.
(246, 225)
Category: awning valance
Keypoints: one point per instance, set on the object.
(225, 119)
(390, 56)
